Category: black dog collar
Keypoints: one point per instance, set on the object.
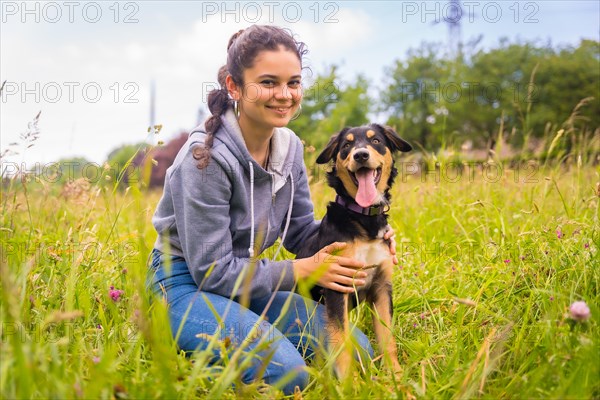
(353, 206)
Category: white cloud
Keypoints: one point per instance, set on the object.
(332, 40)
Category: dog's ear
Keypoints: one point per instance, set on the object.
(331, 149)
(398, 144)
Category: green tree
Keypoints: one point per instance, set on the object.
(528, 89)
(74, 168)
(413, 93)
(120, 162)
(350, 110)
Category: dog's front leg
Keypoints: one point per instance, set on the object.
(336, 304)
(382, 319)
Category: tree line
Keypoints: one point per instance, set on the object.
(540, 100)
(522, 92)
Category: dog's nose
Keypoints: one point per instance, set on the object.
(361, 156)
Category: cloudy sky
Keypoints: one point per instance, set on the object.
(88, 66)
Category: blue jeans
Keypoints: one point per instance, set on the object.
(286, 342)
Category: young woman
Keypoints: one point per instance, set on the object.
(236, 186)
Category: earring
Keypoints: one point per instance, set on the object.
(236, 110)
(298, 113)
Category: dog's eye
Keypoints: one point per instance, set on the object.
(375, 141)
(347, 145)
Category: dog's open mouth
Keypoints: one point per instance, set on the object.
(366, 180)
(376, 173)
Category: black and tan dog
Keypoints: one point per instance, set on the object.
(362, 174)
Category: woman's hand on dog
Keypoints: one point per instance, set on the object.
(390, 235)
(333, 272)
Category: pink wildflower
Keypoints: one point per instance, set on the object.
(115, 294)
(587, 245)
(506, 261)
(559, 234)
(579, 311)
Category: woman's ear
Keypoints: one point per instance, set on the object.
(232, 88)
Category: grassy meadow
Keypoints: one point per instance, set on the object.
(490, 261)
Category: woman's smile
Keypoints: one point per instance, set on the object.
(281, 110)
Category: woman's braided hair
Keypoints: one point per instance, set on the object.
(242, 49)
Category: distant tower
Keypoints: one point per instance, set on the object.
(453, 17)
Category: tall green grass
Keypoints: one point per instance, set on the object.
(490, 259)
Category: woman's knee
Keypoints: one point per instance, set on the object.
(287, 369)
(299, 380)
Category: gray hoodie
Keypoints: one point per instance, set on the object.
(218, 214)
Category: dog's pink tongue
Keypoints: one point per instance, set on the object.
(366, 187)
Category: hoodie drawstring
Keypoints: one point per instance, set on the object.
(251, 248)
(287, 220)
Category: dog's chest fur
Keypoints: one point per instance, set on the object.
(372, 253)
